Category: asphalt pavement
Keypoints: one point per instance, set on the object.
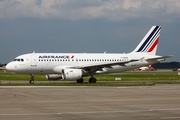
(90, 103)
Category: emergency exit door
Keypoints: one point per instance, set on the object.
(33, 61)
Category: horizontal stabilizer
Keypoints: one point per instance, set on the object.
(160, 57)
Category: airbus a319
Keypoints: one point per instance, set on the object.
(75, 66)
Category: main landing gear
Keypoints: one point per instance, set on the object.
(32, 79)
(91, 80)
(80, 80)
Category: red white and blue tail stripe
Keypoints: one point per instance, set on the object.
(150, 41)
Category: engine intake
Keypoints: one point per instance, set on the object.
(71, 74)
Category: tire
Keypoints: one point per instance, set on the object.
(92, 80)
(31, 81)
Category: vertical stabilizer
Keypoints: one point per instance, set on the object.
(150, 41)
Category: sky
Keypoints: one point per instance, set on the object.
(86, 26)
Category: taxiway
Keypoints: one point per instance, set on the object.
(90, 103)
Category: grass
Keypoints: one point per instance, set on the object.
(14, 76)
(140, 76)
(150, 78)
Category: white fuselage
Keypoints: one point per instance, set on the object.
(49, 63)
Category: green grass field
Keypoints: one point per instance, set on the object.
(148, 76)
(125, 76)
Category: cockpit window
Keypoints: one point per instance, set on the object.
(19, 59)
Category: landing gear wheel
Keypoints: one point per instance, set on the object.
(32, 79)
(80, 80)
(92, 80)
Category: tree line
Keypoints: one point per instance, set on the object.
(166, 65)
(1, 65)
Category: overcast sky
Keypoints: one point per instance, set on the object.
(86, 26)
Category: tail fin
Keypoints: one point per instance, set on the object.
(150, 41)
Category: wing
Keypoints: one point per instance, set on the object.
(95, 67)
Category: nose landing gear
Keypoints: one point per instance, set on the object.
(32, 79)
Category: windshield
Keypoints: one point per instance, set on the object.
(19, 59)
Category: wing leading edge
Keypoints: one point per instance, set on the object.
(95, 67)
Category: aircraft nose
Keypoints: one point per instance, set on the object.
(10, 67)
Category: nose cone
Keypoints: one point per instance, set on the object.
(10, 66)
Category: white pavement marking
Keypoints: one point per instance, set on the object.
(170, 118)
(95, 112)
(42, 86)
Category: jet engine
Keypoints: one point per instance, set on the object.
(71, 74)
(53, 76)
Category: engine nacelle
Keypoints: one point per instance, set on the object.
(53, 77)
(71, 74)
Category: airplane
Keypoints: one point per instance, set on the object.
(75, 66)
(145, 68)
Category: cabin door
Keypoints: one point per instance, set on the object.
(33, 61)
